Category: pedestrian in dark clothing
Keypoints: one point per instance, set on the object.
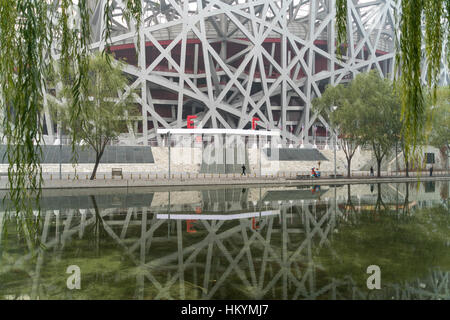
(431, 171)
(371, 171)
(243, 170)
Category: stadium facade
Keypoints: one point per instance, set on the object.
(229, 61)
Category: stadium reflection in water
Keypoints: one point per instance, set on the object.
(312, 242)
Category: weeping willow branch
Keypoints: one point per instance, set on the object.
(447, 27)
(80, 88)
(21, 75)
(106, 33)
(341, 23)
(415, 15)
(434, 14)
(132, 10)
(421, 22)
(29, 30)
(409, 60)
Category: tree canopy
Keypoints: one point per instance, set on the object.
(379, 114)
(364, 112)
(29, 29)
(420, 23)
(102, 115)
(439, 136)
(440, 130)
(338, 105)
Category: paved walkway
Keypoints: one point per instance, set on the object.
(144, 180)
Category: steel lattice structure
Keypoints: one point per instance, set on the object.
(227, 61)
(282, 254)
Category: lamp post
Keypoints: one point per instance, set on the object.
(60, 151)
(315, 135)
(303, 137)
(168, 141)
(335, 146)
(225, 154)
(333, 108)
(260, 155)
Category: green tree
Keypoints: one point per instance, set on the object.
(29, 29)
(337, 105)
(440, 128)
(367, 112)
(379, 114)
(420, 24)
(102, 110)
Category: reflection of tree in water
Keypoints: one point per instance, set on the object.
(379, 204)
(407, 249)
(98, 230)
(445, 195)
(349, 206)
(27, 225)
(406, 209)
(291, 255)
(444, 191)
(223, 259)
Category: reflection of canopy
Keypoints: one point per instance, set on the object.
(216, 216)
(167, 255)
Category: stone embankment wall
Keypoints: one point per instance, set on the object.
(188, 160)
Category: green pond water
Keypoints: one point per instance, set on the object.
(231, 243)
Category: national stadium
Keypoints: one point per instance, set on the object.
(229, 61)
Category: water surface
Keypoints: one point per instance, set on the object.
(232, 243)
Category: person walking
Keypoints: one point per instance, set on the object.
(243, 170)
(371, 171)
(431, 170)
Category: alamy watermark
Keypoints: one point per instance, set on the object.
(74, 280)
(374, 281)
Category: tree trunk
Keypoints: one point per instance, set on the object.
(380, 202)
(97, 161)
(444, 157)
(379, 167)
(349, 206)
(349, 162)
(396, 157)
(407, 168)
(98, 225)
(406, 203)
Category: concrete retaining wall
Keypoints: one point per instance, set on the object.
(188, 160)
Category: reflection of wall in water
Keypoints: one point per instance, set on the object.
(274, 260)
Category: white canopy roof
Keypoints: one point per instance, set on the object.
(241, 132)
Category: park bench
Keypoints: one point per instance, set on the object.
(303, 176)
(116, 172)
